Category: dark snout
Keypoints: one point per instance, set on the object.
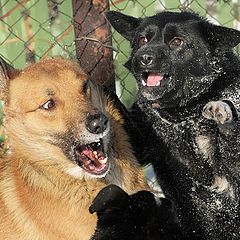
(146, 59)
(153, 58)
(96, 122)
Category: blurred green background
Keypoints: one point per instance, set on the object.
(31, 25)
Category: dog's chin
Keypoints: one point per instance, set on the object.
(149, 94)
(91, 160)
(155, 93)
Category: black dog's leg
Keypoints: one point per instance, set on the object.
(136, 128)
(133, 217)
(226, 116)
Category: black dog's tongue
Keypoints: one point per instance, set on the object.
(154, 79)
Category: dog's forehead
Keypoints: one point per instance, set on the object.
(55, 75)
(165, 18)
(55, 70)
(55, 67)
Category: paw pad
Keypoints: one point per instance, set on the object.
(218, 111)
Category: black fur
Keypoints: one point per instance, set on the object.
(133, 217)
(196, 158)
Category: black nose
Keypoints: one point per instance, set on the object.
(96, 122)
(146, 59)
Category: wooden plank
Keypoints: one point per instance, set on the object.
(93, 40)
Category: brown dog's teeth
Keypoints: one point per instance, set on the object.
(91, 156)
(103, 161)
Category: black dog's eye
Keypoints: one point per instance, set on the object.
(143, 40)
(175, 42)
(49, 105)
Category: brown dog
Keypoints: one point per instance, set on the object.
(63, 150)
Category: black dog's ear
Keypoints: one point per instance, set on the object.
(222, 37)
(124, 24)
(7, 72)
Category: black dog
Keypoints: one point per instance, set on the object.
(189, 86)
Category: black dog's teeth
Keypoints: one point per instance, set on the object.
(145, 75)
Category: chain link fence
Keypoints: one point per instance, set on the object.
(34, 29)
(76, 29)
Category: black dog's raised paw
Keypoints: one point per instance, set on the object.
(219, 111)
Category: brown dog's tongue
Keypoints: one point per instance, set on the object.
(154, 79)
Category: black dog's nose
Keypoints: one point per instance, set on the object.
(96, 122)
(146, 59)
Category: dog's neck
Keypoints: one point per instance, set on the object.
(41, 175)
(62, 197)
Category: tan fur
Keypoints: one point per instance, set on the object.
(38, 199)
(221, 185)
(205, 146)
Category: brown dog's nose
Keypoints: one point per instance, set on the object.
(96, 122)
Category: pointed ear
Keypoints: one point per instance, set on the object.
(97, 95)
(128, 64)
(7, 72)
(125, 25)
(223, 37)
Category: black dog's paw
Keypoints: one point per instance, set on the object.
(115, 218)
(109, 198)
(133, 217)
(110, 206)
(219, 111)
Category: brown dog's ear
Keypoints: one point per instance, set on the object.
(97, 95)
(124, 24)
(7, 72)
(222, 37)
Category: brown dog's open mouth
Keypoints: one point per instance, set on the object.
(91, 158)
(153, 79)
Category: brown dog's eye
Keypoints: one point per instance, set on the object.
(49, 105)
(175, 42)
(86, 88)
(143, 40)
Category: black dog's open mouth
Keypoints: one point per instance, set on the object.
(91, 158)
(154, 79)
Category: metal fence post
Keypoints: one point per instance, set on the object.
(93, 40)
